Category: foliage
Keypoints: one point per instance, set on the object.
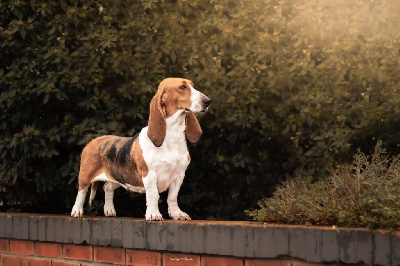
(365, 193)
(295, 84)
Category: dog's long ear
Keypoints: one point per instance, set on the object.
(193, 130)
(157, 124)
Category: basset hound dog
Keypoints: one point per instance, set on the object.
(151, 162)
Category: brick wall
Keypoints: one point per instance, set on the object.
(30, 239)
(32, 253)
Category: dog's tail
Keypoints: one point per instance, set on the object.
(93, 192)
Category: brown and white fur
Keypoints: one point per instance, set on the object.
(152, 162)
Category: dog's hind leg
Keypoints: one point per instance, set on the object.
(93, 192)
(91, 166)
(109, 188)
(77, 210)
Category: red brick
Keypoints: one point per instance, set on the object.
(48, 250)
(37, 262)
(64, 263)
(109, 255)
(266, 263)
(140, 257)
(8, 260)
(78, 252)
(4, 246)
(307, 264)
(171, 259)
(220, 261)
(22, 247)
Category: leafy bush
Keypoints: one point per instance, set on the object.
(365, 193)
(296, 85)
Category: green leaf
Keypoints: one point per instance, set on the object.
(72, 179)
(23, 33)
(231, 99)
(74, 80)
(46, 98)
(173, 56)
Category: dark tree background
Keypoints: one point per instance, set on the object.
(297, 86)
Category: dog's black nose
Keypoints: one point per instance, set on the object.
(206, 102)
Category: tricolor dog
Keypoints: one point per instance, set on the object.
(152, 162)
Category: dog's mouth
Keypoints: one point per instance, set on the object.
(203, 110)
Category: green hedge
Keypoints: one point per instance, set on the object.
(296, 86)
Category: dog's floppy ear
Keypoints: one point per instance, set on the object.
(193, 130)
(157, 124)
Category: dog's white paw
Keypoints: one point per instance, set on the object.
(153, 215)
(109, 210)
(77, 211)
(177, 214)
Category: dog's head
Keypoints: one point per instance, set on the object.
(175, 94)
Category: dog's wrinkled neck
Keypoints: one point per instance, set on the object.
(176, 121)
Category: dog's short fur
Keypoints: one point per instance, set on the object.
(151, 162)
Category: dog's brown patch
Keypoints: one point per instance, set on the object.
(91, 164)
(193, 130)
(116, 154)
(113, 156)
(176, 95)
(137, 155)
(157, 126)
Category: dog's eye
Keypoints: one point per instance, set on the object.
(183, 87)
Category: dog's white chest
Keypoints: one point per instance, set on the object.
(170, 160)
(169, 170)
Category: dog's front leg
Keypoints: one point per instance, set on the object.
(152, 196)
(173, 209)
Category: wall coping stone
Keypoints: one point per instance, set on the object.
(221, 238)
